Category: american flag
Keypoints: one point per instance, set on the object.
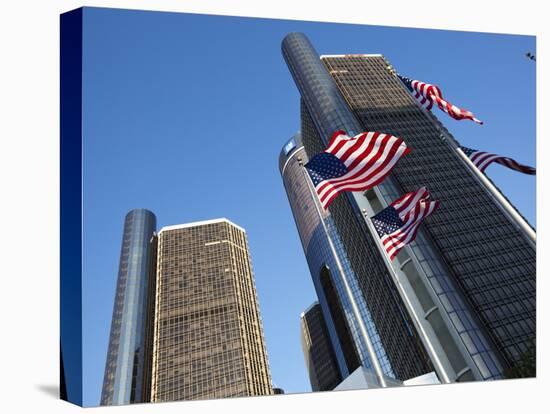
(398, 223)
(483, 159)
(426, 94)
(354, 163)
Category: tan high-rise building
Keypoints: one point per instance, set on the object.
(208, 336)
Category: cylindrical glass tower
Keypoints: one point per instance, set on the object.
(125, 363)
(348, 345)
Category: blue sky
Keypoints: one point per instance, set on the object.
(186, 114)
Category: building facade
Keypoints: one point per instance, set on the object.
(465, 288)
(126, 362)
(323, 370)
(208, 337)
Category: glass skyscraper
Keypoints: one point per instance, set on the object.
(462, 296)
(126, 363)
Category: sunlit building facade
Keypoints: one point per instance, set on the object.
(208, 337)
(186, 322)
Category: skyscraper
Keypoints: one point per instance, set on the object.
(208, 335)
(186, 321)
(126, 363)
(319, 355)
(467, 284)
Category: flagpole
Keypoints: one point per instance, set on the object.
(354, 306)
(506, 205)
(507, 208)
(434, 357)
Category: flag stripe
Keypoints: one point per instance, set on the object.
(363, 186)
(414, 198)
(371, 173)
(373, 153)
(483, 159)
(354, 163)
(395, 241)
(426, 94)
(397, 225)
(453, 110)
(368, 157)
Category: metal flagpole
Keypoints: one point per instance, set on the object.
(355, 308)
(502, 202)
(434, 357)
(506, 206)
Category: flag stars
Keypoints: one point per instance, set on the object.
(387, 221)
(325, 166)
(391, 228)
(467, 151)
(366, 154)
(483, 159)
